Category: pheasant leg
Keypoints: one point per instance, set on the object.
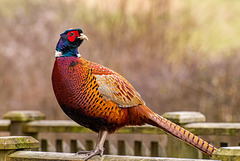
(99, 149)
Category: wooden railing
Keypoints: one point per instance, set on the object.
(19, 148)
(67, 136)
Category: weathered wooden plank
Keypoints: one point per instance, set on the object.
(232, 129)
(18, 142)
(217, 129)
(53, 156)
(12, 143)
(27, 115)
(227, 154)
(146, 129)
(70, 126)
(184, 117)
(53, 126)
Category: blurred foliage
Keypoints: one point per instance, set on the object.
(180, 55)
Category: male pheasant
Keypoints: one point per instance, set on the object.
(102, 100)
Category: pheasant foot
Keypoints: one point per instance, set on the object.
(92, 153)
(99, 149)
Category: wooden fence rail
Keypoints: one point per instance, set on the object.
(67, 136)
(10, 146)
(17, 148)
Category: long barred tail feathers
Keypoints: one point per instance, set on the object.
(182, 134)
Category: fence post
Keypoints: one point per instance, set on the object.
(12, 143)
(227, 154)
(20, 118)
(175, 147)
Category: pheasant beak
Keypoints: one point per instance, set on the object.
(83, 37)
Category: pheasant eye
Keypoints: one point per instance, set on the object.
(71, 36)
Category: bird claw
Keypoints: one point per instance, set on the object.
(90, 154)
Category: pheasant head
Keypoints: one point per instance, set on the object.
(69, 42)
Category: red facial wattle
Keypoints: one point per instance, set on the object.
(72, 35)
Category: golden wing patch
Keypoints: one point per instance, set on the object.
(115, 88)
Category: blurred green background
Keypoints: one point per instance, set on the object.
(179, 55)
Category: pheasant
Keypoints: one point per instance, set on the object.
(102, 100)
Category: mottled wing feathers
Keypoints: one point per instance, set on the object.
(114, 87)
